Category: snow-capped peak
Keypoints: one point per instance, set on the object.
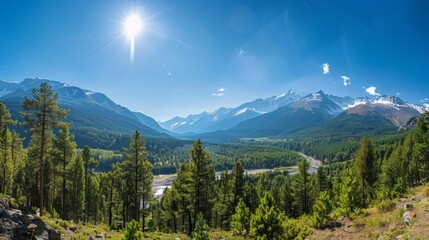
(243, 110)
(391, 101)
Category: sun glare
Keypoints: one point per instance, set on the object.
(133, 26)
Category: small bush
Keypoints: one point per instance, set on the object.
(13, 202)
(385, 206)
(425, 191)
(64, 224)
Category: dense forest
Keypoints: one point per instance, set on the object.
(53, 176)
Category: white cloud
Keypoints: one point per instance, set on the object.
(346, 80)
(424, 100)
(372, 91)
(398, 93)
(219, 93)
(325, 68)
(241, 52)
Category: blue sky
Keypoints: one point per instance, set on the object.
(201, 55)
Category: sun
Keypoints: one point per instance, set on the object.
(133, 26)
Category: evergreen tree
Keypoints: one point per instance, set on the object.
(139, 172)
(77, 186)
(321, 210)
(302, 188)
(348, 197)
(202, 177)
(41, 115)
(240, 224)
(364, 167)
(131, 231)
(89, 163)
(17, 152)
(223, 206)
(286, 198)
(5, 117)
(64, 150)
(6, 160)
(201, 229)
(238, 182)
(267, 221)
(421, 147)
(5, 149)
(170, 208)
(251, 197)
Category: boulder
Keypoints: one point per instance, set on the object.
(54, 234)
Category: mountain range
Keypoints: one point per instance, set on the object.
(92, 114)
(100, 122)
(321, 115)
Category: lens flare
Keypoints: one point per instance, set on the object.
(133, 26)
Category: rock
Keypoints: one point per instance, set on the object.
(408, 206)
(54, 234)
(5, 203)
(27, 219)
(99, 236)
(177, 239)
(403, 199)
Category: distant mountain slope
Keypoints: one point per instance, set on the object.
(311, 110)
(93, 114)
(367, 117)
(225, 118)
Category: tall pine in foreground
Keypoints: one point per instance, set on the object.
(138, 171)
(64, 150)
(202, 178)
(41, 114)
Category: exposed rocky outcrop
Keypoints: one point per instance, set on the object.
(14, 224)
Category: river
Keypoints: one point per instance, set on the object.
(160, 182)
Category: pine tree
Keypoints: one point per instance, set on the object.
(421, 147)
(77, 186)
(202, 177)
(286, 198)
(41, 115)
(131, 231)
(240, 224)
(5, 149)
(64, 150)
(348, 197)
(321, 210)
(17, 151)
(364, 166)
(201, 229)
(6, 159)
(302, 188)
(169, 208)
(5, 117)
(223, 206)
(139, 172)
(89, 163)
(267, 221)
(238, 182)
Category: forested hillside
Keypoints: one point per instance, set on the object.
(52, 176)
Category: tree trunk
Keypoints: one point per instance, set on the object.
(63, 209)
(41, 162)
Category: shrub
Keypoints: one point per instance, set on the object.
(385, 206)
(425, 191)
(64, 224)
